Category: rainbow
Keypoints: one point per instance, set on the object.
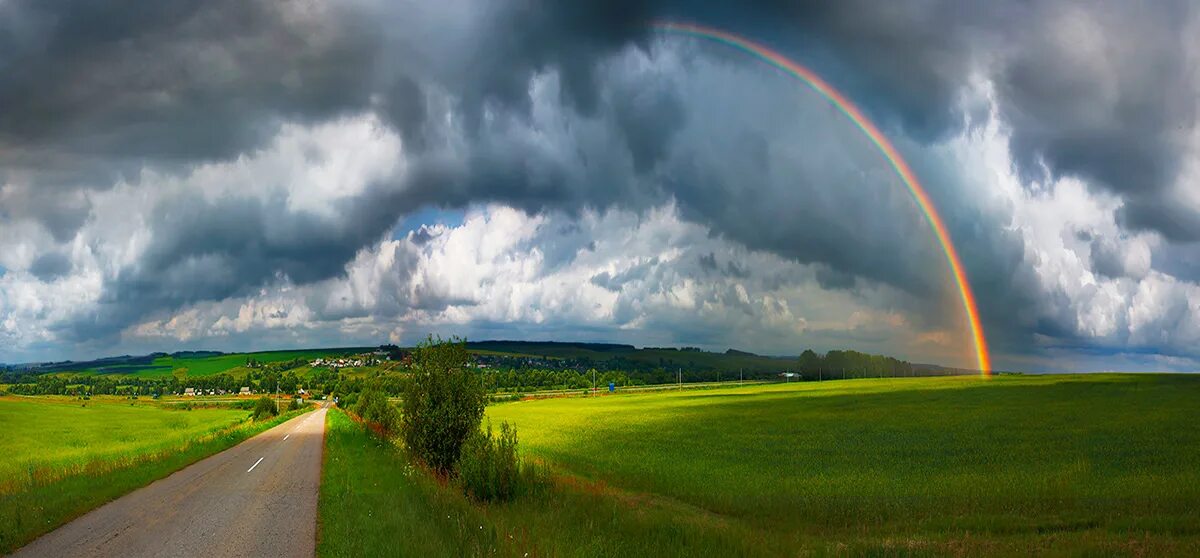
(847, 107)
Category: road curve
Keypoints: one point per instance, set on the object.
(258, 498)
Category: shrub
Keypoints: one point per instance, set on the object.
(443, 404)
(348, 400)
(264, 409)
(373, 406)
(295, 405)
(491, 469)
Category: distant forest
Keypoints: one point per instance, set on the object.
(504, 366)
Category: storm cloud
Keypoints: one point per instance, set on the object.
(166, 160)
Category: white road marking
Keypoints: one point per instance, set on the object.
(286, 437)
(255, 465)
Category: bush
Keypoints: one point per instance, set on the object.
(373, 406)
(443, 404)
(490, 468)
(348, 400)
(295, 405)
(264, 409)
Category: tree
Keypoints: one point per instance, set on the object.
(264, 408)
(373, 406)
(810, 362)
(443, 403)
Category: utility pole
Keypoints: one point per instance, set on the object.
(593, 382)
(277, 396)
(679, 377)
(739, 376)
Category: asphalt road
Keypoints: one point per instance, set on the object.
(258, 498)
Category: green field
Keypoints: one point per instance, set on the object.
(233, 363)
(43, 435)
(62, 458)
(1091, 464)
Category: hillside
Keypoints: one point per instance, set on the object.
(607, 355)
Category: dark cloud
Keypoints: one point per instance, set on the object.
(831, 279)
(177, 80)
(540, 104)
(216, 249)
(50, 266)
(61, 213)
(1099, 90)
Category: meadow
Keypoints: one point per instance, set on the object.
(1089, 464)
(195, 364)
(64, 456)
(229, 363)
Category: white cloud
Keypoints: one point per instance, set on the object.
(624, 275)
(1090, 276)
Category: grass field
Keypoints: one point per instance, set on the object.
(62, 459)
(43, 435)
(1097, 464)
(373, 503)
(233, 363)
(207, 365)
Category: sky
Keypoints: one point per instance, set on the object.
(244, 174)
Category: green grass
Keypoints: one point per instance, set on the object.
(233, 363)
(373, 503)
(1097, 464)
(63, 459)
(44, 435)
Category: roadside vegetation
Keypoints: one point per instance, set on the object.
(1076, 465)
(265, 408)
(64, 456)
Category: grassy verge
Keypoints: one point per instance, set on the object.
(374, 503)
(54, 497)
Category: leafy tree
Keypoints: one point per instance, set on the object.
(443, 403)
(264, 409)
(373, 406)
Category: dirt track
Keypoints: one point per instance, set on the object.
(258, 498)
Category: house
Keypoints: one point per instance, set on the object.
(189, 392)
(244, 391)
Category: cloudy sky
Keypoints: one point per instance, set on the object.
(240, 174)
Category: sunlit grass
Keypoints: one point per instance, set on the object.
(46, 436)
(375, 503)
(1074, 465)
(1109, 456)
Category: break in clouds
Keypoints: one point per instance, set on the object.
(234, 175)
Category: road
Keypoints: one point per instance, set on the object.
(258, 498)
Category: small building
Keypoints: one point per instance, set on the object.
(189, 392)
(244, 391)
